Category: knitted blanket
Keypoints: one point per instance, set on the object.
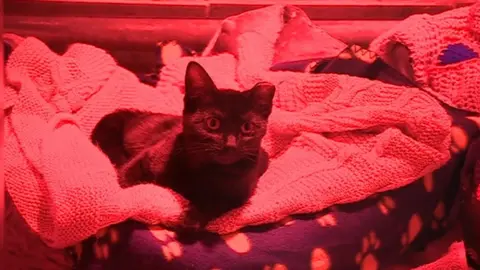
(331, 138)
(444, 51)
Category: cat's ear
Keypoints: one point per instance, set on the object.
(197, 81)
(263, 93)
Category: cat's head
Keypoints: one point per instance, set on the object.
(223, 125)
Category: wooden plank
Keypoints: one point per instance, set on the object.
(132, 41)
(167, 10)
(144, 33)
(129, 31)
(220, 9)
(452, 3)
(291, 2)
(112, 32)
(329, 2)
(155, 2)
(337, 11)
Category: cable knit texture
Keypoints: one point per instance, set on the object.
(427, 37)
(331, 138)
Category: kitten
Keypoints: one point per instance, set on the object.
(211, 155)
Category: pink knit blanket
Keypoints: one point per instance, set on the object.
(444, 50)
(332, 139)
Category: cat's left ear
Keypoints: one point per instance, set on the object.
(263, 93)
(197, 81)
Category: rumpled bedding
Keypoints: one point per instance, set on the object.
(370, 234)
(332, 138)
(444, 51)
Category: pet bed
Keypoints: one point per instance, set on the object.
(61, 107)
(369, 234)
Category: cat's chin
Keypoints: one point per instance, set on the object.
(226, 159)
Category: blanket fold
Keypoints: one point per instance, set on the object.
(444, 51)
(454, 259)
(332, 138)
(68, 189)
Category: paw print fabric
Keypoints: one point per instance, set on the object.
(370, 235)
(470, 206)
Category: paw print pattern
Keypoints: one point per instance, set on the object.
(238, 242)
(320, 260)
(414, 226)
(276, 266)
(327, 220)
(428, 182)
(439, 220)
(475, 119)
(171, 248)
(366, 258)
(104, 239)
(459, 140)
(386, 204)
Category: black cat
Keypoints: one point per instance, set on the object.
(211, 155)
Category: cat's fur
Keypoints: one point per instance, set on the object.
(211, 155)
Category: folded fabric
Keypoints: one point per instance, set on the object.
(453, 260)
(331, 138)
(444, 52)
(63, 186)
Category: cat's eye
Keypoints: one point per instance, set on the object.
(212, 123)
(247, 127)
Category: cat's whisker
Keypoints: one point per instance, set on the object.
(250, 158)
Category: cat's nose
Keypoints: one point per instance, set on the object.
(231, 142)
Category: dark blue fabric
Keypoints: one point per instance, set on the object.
(455, 53)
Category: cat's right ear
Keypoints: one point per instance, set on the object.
(197, 81)
(263, 93)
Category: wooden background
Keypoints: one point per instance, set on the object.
(130, 29)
